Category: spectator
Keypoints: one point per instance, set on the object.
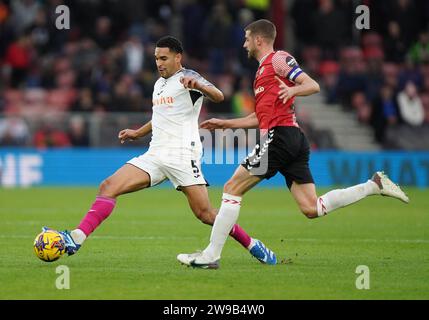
(85, 102)
(102, 35)
(352, 77)
(77, 132)
(18, 57)
(384, 112)
(194, 16)
(395, 45)
(361, 107)
(47, 136)
(40, 33)
(391, 74)
(410, 105)
(406, 13)
(327, 33)
(374, 74)
(126, 96)
(24, 13)
(245, 16)
(105, 61)
(410, 73)
(14, 131)
(303, 27)
(328, 71)
(134, 55)
(419, 52)
(218, 34)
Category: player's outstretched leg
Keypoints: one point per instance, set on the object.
(99, 211)
(257, 249)
(228, 214)
(314, 207)
(127, 179)
(200, 204)
(379, 184)
(225, 220)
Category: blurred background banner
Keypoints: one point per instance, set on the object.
(88, 167)
(77, 87)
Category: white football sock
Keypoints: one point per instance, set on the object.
(78, 236)
(225, 220)
(342, 197)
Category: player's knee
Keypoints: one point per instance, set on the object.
(230, 187)
(310, 211)
(106, 189)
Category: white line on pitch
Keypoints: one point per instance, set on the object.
(5, 236)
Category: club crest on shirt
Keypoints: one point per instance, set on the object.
(291, 62)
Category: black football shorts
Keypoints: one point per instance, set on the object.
(282, 149)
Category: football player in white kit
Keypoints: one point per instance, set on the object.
(174, 152)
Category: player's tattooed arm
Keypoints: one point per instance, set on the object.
(130, 134)
(210, 91)
(305, 86)
(251, 121)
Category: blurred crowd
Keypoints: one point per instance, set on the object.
(104, 62)
(380, 74)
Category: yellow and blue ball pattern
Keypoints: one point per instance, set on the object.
(49, 245)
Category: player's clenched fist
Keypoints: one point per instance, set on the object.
(212, 124)
(127, 134)
(190, 83)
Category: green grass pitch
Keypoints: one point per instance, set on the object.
(133, 253)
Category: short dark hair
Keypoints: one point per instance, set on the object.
(264, 28)
(170, 42)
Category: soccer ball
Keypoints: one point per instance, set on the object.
(49, 245)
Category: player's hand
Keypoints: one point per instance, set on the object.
(212, 124)
(128, 134)
(285, 92)
(190, 83)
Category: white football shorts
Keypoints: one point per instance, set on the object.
(182, 168)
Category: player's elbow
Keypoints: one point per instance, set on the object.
(218, 97)
(316, 87)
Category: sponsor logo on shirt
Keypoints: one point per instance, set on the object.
(163, 101)
(259, 90)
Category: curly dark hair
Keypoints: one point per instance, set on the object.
(170, 42)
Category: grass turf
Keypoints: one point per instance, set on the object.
(133, 253)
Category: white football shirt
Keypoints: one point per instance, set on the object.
(175, 113)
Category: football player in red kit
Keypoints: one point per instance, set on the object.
(285, 149)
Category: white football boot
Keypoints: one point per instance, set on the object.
(198, 260)
(388, 188)
(187, 258)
